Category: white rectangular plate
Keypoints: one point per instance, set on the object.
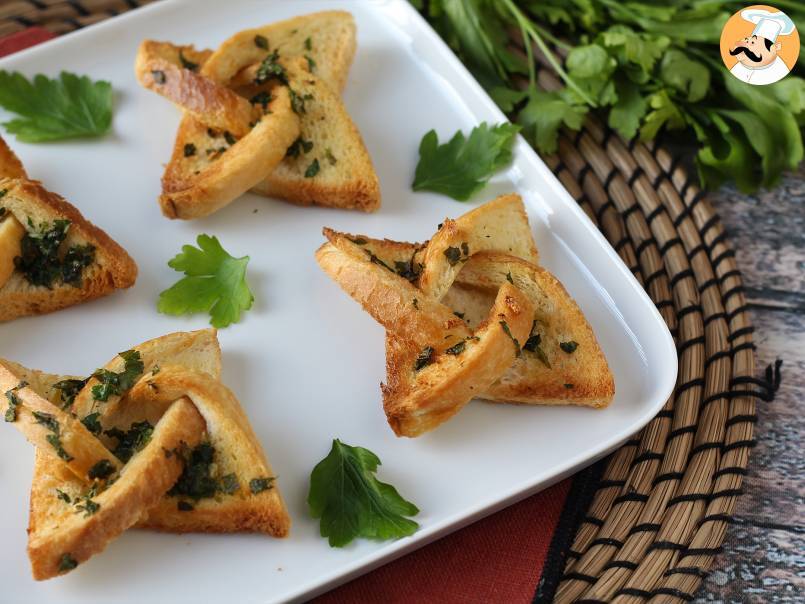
(306, 361)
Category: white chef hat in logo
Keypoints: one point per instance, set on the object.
(768, 25)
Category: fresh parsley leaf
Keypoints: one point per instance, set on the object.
(545, 113)
(462, 166)
(54, 109)
(215, 282)
(351, 502)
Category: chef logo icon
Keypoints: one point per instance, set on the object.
(759, 45)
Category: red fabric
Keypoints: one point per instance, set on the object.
(23, 39)
(497, 559)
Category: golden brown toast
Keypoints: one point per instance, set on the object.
(327, 37)
(203, 177)
(198, 468)
(91, 263)
(469, 264)
(327, 164)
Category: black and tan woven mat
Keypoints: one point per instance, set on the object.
(659, 506)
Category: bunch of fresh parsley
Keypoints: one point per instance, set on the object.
(646, 66)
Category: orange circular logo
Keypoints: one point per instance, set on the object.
(759, 45)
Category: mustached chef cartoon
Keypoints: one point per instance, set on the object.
(758, 61)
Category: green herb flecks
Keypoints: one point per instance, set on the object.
(375, 260)
(101, 470)
(68, 390)
(457, 349)
(111, 383)
(229, 138)
(85, 504)
(270, 69)
(409, 270)
(63, 496)
(77, 258)
(533, 345)
(569, 347)
(229, 484)
(424, 358)
(350, 502)
(196, 480)
(453, 255)
(328, 154)
(298, 147)
(51, 424)
(67, 563)
(258, 485)
(261, 42)
(13, 402)
(92, 422)
(308, 44)
(40, 261)
(132, 440)
(262, 98)
(55, 441)
(312, 169)
(509, 278)
(186, 63)
(311, 64)
(517, 349)
(46, 420)
(298, 101)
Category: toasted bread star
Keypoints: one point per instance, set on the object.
(152, 439)
(470, 314)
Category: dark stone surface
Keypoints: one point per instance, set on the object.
(764, 552)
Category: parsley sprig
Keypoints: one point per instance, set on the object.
(646, 68)
(69, 106)
(214, 282)
(463, 165)
(351, 502)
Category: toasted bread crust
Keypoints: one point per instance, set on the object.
(329, 188)
(418, 400)
(113, 268)
(236, 59)
(158, 67)
(434, 296)
(10, 165)
(581, 377)
(501, 224)
(186, 403)
(145, 479)
(237, 170)
(343, 175)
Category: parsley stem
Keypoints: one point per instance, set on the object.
(526, 25)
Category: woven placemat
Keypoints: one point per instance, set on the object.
(660, 505)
